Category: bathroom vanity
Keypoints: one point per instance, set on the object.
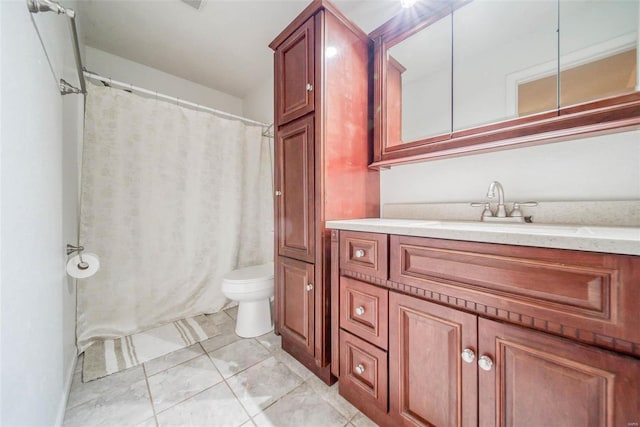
(432, 329)
(542, 310)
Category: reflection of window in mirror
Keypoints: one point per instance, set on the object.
(614, 75)
(598, 56)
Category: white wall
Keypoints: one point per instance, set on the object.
(124, 70)
(258, 105)
(598, 168)
(39, 170)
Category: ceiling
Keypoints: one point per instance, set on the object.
(224, 45)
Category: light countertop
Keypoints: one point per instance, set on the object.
(618, 240)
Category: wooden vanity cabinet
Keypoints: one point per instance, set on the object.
(478, 334)
(322, 152)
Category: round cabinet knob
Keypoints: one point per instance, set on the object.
(468, 355)
(359, 253)
(485, 363)
(309, 87)
(359, 369)
(310, 287)
(359, 310)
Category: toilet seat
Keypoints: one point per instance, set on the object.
(250, 274)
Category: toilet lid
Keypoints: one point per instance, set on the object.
(250, 274)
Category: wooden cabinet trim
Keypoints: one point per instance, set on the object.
(598, 387)
(616, 278)
(451, 331)
(299, 216)
(618, 114)
(371, 383)
(372, 324)
(302, 41)
(296, 307)
(562, 286)
(374, 247)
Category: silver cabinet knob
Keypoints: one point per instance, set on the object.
(309, 87)
(359, 253)
(359, 310)
(468, 355)
(359, 369)
(278, 193)
(310, 287)
(485, 363)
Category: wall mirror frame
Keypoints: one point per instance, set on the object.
(600, 116)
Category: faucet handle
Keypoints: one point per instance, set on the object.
(516, 212)
(487, 212)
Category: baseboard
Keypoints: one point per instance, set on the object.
(67, 389)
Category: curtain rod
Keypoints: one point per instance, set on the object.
(131, 87)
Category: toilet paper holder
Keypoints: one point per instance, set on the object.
(71, 249)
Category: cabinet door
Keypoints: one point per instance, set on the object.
(294, 190)
(541, 380)
(294, 70)
(295, 294)
(429, 384)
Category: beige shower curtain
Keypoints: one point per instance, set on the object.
(172, 199)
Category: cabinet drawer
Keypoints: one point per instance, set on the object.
(587, 296)
(363, 371)
(364, 253)
(364, 310)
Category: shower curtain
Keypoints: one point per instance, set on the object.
(171, 200)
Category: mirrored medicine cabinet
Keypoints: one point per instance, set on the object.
(457, 77)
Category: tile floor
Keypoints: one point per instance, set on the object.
(224, 381)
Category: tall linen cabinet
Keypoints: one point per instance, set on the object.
(322, 152)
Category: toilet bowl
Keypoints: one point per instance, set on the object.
(252, 287)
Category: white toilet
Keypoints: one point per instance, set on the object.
(252, 287)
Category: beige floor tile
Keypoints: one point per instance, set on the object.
(219, 318)
(124, 406)
(79, 363)
(216, 406)
(262, 384)
(270, 341)
(361, 420)
(111, 384)
(150, 422)
(292, 363)
(183, 381)
(172, 359)
(332, 396)
(238, 356)
(233, 312)
(227, 336)
(301, 407)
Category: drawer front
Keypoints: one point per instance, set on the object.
(583, 295)
(363, 371)
(364, 253)
(364, 311)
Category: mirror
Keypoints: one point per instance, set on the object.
(419, 84)
(498, 45)
(462, 76)
(598, 49)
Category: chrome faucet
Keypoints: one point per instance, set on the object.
(501, 212)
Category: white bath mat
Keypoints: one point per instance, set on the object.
(107, 357)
